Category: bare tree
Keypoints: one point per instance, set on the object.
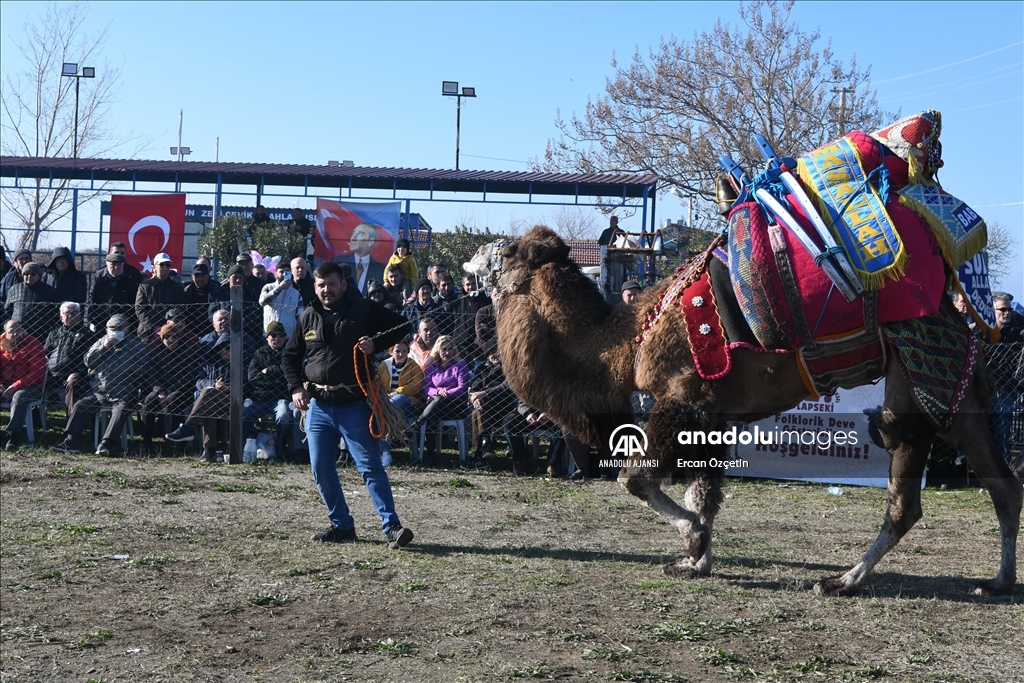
(1002, 252)
(675, 111)
(574, 223)
(37, 114)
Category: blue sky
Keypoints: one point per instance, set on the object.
(304, 83)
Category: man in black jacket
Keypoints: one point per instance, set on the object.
(32, 302)
(303, 280)
(252, 312)
(199, 294)
(327, 388)
(71, 284)
(133, 273)
(13, 276)
(65, 350)
(113, 290)
(156, 295)
(268, 388)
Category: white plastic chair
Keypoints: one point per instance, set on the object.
(103, 416)
(460, 431)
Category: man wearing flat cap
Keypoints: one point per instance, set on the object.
(630, 292)
(157, 294)
(252, 313)
(200, 292)
(13, 276)
(114, 290)
(119, 365)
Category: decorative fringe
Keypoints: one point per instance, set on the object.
(954, 254)
(916, 174)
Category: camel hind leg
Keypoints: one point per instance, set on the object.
(971, 435)
(703, 495)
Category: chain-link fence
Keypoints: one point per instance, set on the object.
(165, 370)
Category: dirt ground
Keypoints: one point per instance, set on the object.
(160, 569)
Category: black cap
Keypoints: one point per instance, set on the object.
(200, 269)
(236, 270)
(420, 283)
(630, 284)
(243, 258)
(115, 258)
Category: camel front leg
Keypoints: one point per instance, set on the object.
(908, 439)
(646, 486)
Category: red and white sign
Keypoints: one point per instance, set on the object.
(149, 225)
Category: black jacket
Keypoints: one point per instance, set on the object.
(152, 302)
(197, 304)
(174, 369)
(110, 296)
(269, 386)
(65, 350)
(326, 339)
(130, 271)
(34, 307)
(71, 284)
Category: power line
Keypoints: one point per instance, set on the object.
(514, 161)
(990, 104)
(942, 86)
(946, 66)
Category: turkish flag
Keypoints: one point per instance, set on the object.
(149, 224)
(335, 221)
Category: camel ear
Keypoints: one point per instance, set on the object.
(543, 246)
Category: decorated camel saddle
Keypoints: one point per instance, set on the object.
(842, 256)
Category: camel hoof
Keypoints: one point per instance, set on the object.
(682, 567)
(992, 588)
(834, 588)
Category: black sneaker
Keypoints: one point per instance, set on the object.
(475, 465)
(13, 442)
(184, 432)
(207, 456)
(398, 536)
(103, 450)
(68, 445)
(336, 535)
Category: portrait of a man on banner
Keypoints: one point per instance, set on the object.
(361, 235)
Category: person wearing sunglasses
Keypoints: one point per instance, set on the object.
(1005, 363)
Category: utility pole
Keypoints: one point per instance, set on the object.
(842, 108)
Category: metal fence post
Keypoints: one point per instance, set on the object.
(237, 337)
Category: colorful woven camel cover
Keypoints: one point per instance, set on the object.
(843, 187)
(936, 356)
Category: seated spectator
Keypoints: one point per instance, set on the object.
(133, 273)
(378, 293)
(210, 411)
(252, 314)
(119, 365)
(423, 342)
(519, 424)
(13, 276)
(221, 322)
(446, 298)
(268, 388)
(172, 385)
(404, 381)
(464, 311)
(630, 292)
(405, 262)
(399, 289)
(446, 383)
(32, 302)
(485, 324)
(22, 369)
(303, 280)
(71, 284)
(113, 290)
(65, 348)
(281, 301)
(155, 296)
(423, 303)
(199, 294)
(491, 399)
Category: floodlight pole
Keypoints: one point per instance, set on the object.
(75, 144)
(451, 89)
(86, 72)
(458, 126)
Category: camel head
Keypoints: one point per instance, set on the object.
(521, 259)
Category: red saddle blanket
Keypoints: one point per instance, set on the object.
(759, 285)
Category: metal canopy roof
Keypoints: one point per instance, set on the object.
(623, 186)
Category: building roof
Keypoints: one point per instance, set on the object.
(584, 252)
(406, 179)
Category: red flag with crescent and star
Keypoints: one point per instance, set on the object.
(148, 225)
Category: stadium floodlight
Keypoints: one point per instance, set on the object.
(70, 70)
(451, 89)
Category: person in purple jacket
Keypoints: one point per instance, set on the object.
(446, 383)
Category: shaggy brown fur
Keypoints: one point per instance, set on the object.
(566, 351)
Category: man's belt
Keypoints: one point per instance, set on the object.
(324, 391)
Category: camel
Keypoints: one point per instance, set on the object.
(568, 352)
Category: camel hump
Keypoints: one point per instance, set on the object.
(541, 245)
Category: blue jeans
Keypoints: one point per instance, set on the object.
(325, 425)
(282, 420)
(405, 403)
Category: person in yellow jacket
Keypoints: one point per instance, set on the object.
(404, 260)
(403, 380)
